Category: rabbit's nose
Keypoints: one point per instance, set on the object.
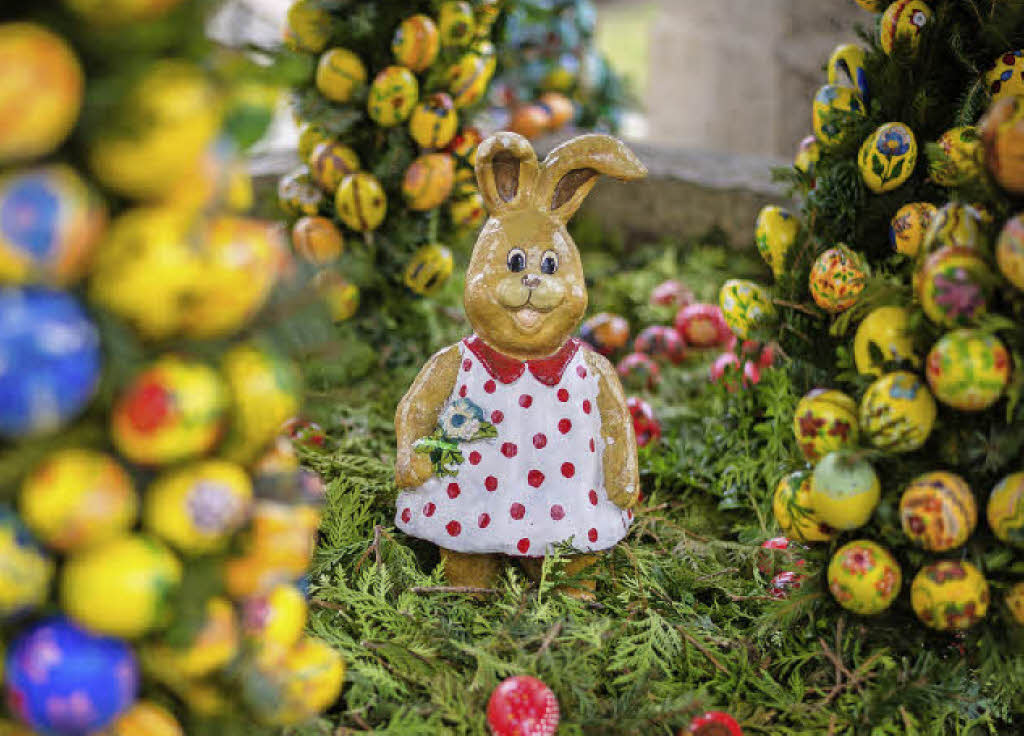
(531, 281)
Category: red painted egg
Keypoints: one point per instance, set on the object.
(522, 706)
(702, 325)
(645, 424)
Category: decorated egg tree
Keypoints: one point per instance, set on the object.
(155, 525)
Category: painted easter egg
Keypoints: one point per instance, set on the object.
(1002, 137)
(416, 42)
(430, 268)
(938, 511)
(464, 145)
(672, 293)
(605, 332)
(49, 360)
(833, 105)
(844, 490)
(529, 121)
(873, 6)
(27, 570)
(340, 75)
(745, 306)
(638, 371)
(808, 153)
(330, 162)
(317, 240)
(468, 211)
(560, 109)
(791, 505)
(76, 498)
(909, 226)
(864, 577)
(702, 325)
(883, 337)
(300, 683)
(310, 134)
(837, 278)
(214, 645)
(340, 296)
(1015, 602)
(949, 595)
(456, 23)
(428, 181)
(846, 68)
(434, 121)
(961, 159)
(662, 343)
(121, 587)
(360, 202)
(173, 410)
(1010, 251)
(825, 420)
(645, 424)
(310, 25)
(897, 412)
(468, 79)
(953, 286)
(41, 88)
(298, 194)
(968, 370)
(522, 704)
(1005, 510)
(954, 225)
(63, 680)
(716, 722)
(273, 621)
(902, 23)
(887, 157)
(145, 718)
(393, 95)
(775, 232)
(1006, 77)
(277, 548)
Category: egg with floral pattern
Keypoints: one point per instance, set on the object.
(393, 95)
(949, 595)
(27, 569)
(846, 68)
(298, 194)
(909, 225)
(837, 278)
(1005, 510)
(953, 286)
(968, 369)
(938, 511)
(884, 334)
(416, 42)
(1015, 602)
(330, 162)
(897, 412)
(361, 202)
(825, 420)
(960, 162)
(887, 157)
(903, 22)
(833, 106)
(1010, 251)
(745, 306)
(791, 505)
(845, 490)
(775, 232)
(864, 577)
(1006, 77)
(808, 153)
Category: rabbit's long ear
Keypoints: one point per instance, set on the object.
(506, 172)
(570, 171)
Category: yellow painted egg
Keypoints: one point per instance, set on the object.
(416, 42)
(1006, 77)
(903, 22)
(1010, 251)
(833, 105)
(468, 79)
(456, 23)
(953, 225)
(393, 95)
(954, 286)
(317, 240)
(277, 549)
(173, 410)
(807, 155)
(329, 164)
(340, 75)
(115, 12)
(961, 157)
(301, 682)
(897, 412)
(882, 337)
(298, 194)
(968, 369)
(75, 498)
(1002, 137)
(430, 268)
(775, 232)
(838, 276)
(464, 145)
(310, 25)
(41, 88)
(145, 718)
(1015, 602)
(213, 646)
(434, 121)
(274, 621)
(469, 211)
(1005, 510)
(909, 225)
(745, 305)
(949, 595)
(219, 180)
(864, 577)
(938, 511)
(792, 507)
(25, 568)
(873, 6)
(846, 68)
(844, 490)
(428, 181)
(465, 183)
(196, 508)
(887, 157)
(340, 296)
(360, 202)
(825, 420)
(310, 134)
(122, 587)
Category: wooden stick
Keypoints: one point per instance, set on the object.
(702, 649)
(452, 589)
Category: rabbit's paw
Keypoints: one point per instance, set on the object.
(413, 470)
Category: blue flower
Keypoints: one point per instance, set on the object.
(904, 387)
(461, 419)
(893, 142)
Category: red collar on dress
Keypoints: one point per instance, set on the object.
(546, 370)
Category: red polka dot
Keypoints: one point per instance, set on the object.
(629, 514)
(539, 440)
(535, 478)
(467, 364)
(406, 515)
(454, 490)
(509, 450)
(517, 511)
(586, 406)
(454, 528)
(497, 416)
(557, 512)
(581, 371)
(429, 509)
(563, 395)
(490, 387)
(568, 470)
(523, 546)
(463, 391)
(483, 521)
(491, 483)
(474, 458)
(564, 425)
(591, 444)
(593, 498)
(592, 535)
(525, 401)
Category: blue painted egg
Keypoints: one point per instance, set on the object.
(49, 360)
(62, 680)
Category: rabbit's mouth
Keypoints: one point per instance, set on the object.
(528, 318)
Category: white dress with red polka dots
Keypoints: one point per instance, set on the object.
(540, 482)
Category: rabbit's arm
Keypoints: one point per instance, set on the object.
(417, 415)
(621, 472)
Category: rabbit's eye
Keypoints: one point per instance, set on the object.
(549, 262)
(516, 260)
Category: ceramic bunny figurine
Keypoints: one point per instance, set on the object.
(518, 438)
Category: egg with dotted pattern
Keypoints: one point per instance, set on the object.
(968, 369)
(393, 95)
(360, 202)
(825, 420)
(1005, 510)
(864, 577)
(791, 505)
(949, 595)
(1006, 77)
(837, 278)
(938, 511)
(434, 121)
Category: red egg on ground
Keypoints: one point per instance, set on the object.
(751, 374)
(522, 706)
(661, 342)
(672, 293)
(639, 370)
(713, 723)
(702, 325)
(645, 423)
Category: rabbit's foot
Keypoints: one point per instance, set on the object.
(582, 587)
(471, 570)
